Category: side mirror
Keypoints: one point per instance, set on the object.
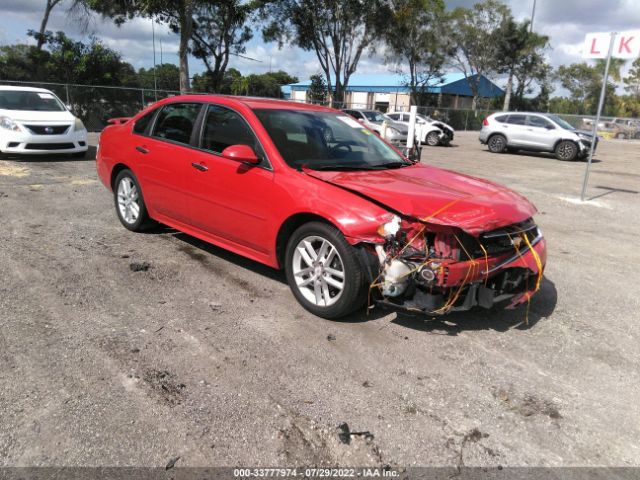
(550, 127)
(241, 153)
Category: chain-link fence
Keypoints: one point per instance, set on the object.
(97, 104)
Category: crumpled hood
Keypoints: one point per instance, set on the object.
(437, 196)
(37, 116)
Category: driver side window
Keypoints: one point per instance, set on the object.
(224, 127)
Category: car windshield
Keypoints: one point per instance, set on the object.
(30, 101)
(327, 141)
(375, 117)
(561, 122)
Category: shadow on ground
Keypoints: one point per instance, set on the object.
(522, 318)
(53, 157)
(546, 155)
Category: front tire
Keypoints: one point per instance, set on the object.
(433, 139)
(324, 272)
(129, 202)
(566, 150)
(497, 143)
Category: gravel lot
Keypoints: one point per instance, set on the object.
(133, 349)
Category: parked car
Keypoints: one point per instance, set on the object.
(395, 133)
(34, 121)
(535, 132)
(306, 189)
(429, 131)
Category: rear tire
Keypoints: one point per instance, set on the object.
(566, 150)
(433, 139)
(497, 143)
(129, 202)
(323, 271)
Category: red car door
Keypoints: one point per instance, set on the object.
(164, 160)
(230, 199)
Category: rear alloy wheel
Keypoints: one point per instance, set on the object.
(323, 271)
(433, 139)
(129, 202)
(566, 150)
(497, 144)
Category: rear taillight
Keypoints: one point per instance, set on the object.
(485, 122)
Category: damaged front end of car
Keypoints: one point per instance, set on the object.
(436, 269)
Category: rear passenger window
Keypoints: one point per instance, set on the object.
(502, 118)
(516, 119)
(534, 121)
(224, 127)
(394, 116)
(176, 121)
(140, 127)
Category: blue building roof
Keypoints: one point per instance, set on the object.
(454, 83)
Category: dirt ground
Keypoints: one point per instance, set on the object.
(134, 349)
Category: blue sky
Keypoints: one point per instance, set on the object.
(565, 21)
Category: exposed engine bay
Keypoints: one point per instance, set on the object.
(437, 270)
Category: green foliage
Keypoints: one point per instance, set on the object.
(318, 91)
(632, 81)
(475, 34)
(219, 31)
(167, 77)
(234, 83)
(418, 44)
(338, 31)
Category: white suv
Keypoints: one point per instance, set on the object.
(35, 121)
(535, 132)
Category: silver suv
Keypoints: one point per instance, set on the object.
(535, 132)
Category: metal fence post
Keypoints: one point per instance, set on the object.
(466, 120)
(142, 91)
(66, 89)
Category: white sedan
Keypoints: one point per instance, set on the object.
(429, 131)
(35, 121)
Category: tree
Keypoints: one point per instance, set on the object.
(475, 33)
(584, 82)
(632, 80)
(167, 77)
(318, 91)
(78, 9)
(338, 31)
(530, 72)
(178, 14)
(417, 38)
(520, 51)
(220, 30)
(40, 38)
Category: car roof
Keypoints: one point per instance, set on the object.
(23, 89)
(252, 102)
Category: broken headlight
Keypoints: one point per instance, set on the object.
(391, 228)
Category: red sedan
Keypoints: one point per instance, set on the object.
(309, 190)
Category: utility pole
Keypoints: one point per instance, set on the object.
(153, 37)
(533, 14)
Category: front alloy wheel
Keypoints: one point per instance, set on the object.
(497, 144)
(433, 139)
(324, 272)
(129, 202)
(566, 150)
(318, 271)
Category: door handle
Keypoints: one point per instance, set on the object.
(142, 150)
(200, 167)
